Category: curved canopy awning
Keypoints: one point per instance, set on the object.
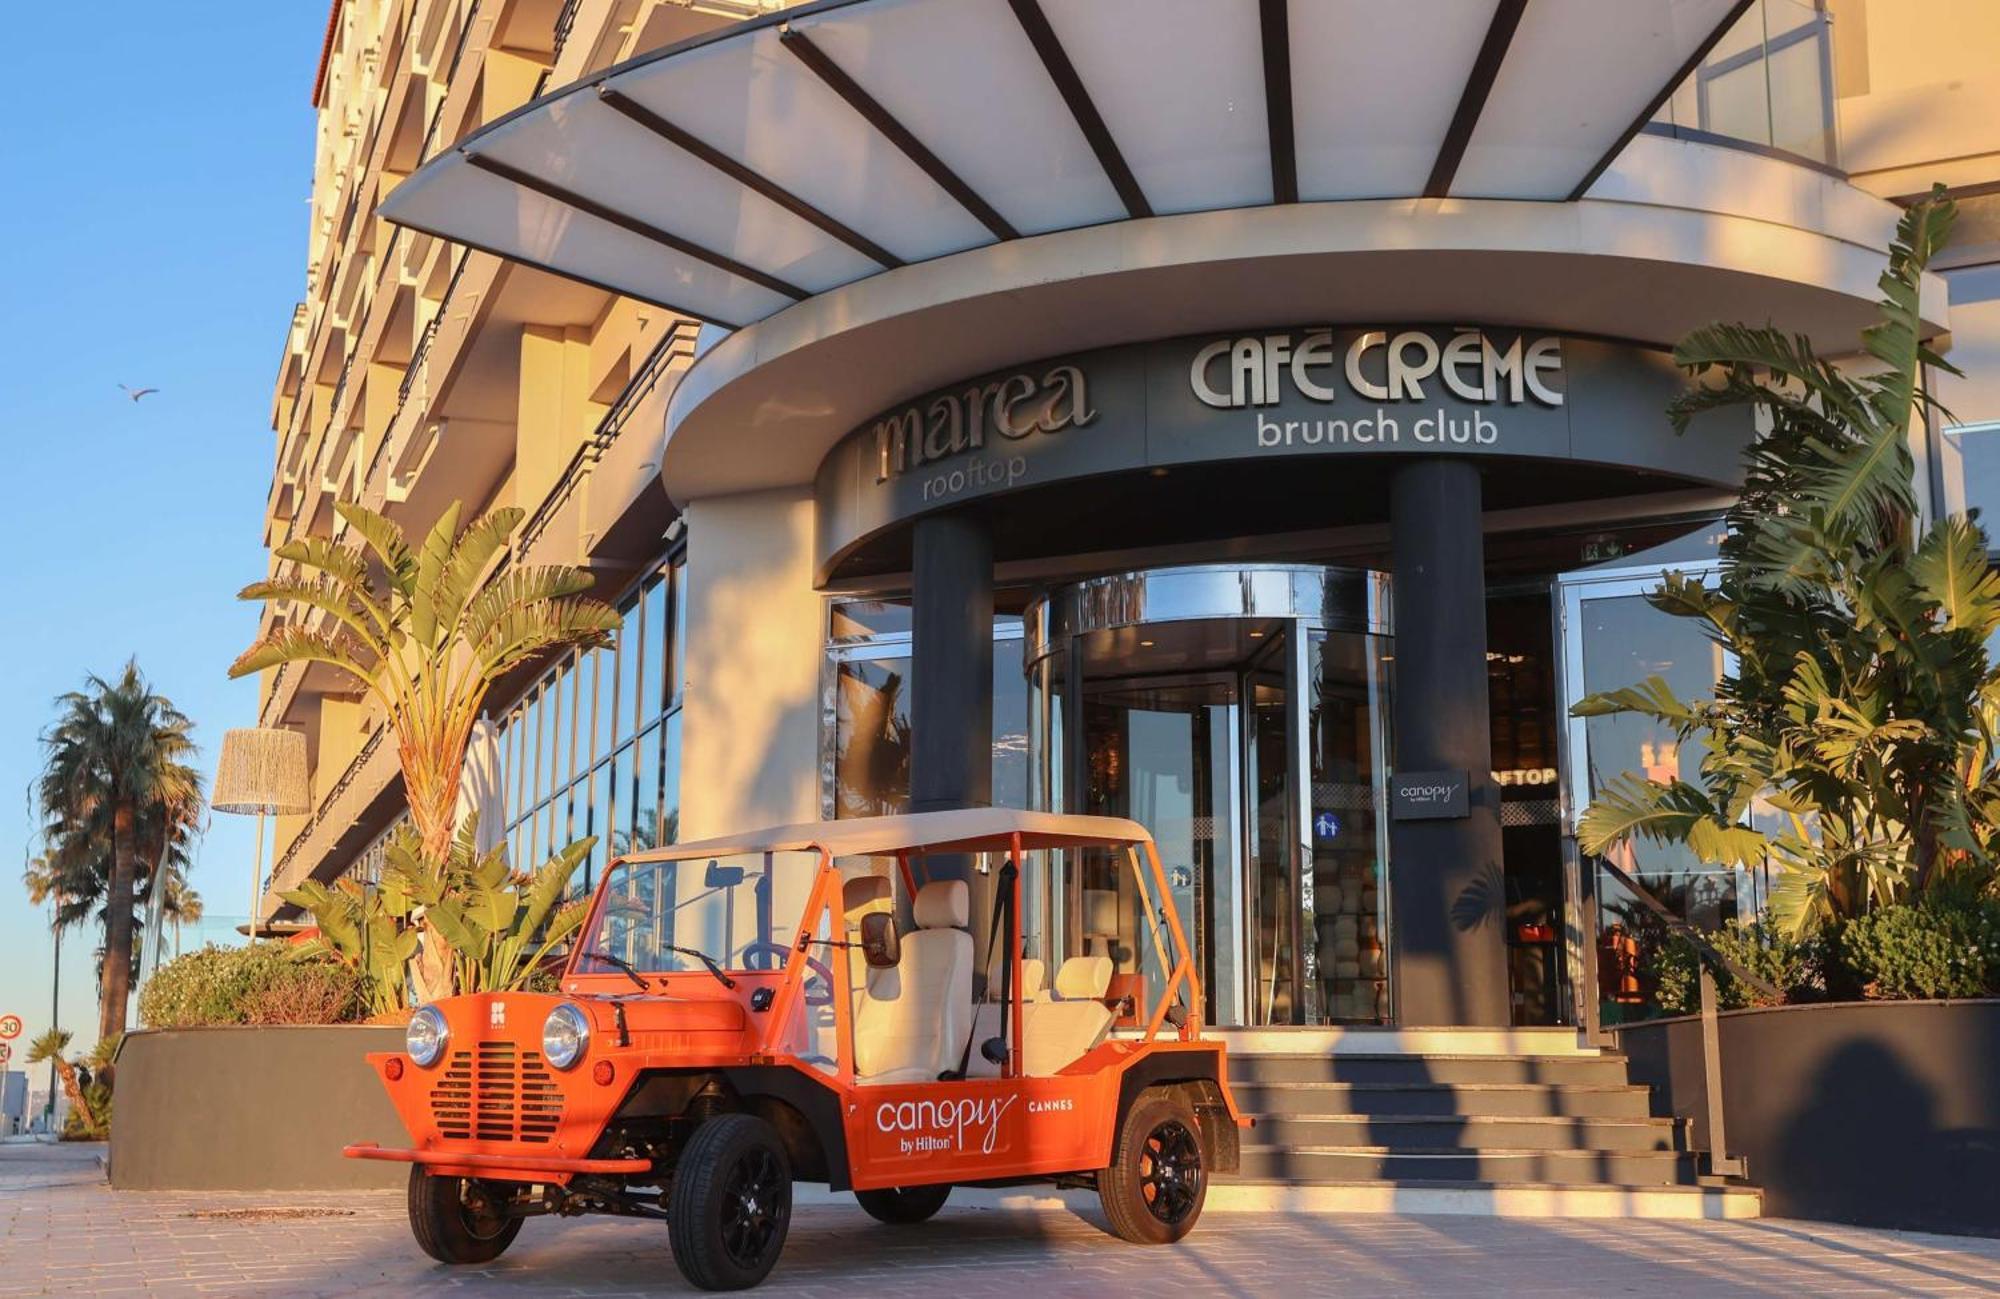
(731, 176)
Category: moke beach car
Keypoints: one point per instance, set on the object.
(743, 1012)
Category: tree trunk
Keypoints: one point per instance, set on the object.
(116, 985)
(77, 1104)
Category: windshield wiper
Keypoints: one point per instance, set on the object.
(705, 959)
(622, 965)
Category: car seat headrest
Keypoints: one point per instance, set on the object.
(943, 904)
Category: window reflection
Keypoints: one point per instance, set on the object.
(593, 747)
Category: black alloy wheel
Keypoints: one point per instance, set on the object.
(904, 1206)
(731, 1203)
(1157, 1182)
(459, 1220)
(1170, 1171)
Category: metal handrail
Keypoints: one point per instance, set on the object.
(1683, 929)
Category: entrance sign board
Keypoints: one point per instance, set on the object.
(1278, 395)
(1429, 796)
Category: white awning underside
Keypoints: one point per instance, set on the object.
(734, 175)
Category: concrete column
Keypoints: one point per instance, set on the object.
(750, 711)
(1450, 898)
(951, 673)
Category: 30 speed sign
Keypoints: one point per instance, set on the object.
(10, 1027)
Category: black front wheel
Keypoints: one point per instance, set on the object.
(904, 1205)
(730, 1204)
(459, 1219)
(1154, 1189)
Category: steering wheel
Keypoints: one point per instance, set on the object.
(819, 987)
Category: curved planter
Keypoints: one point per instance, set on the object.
(1883, 1113)
(252, 1109)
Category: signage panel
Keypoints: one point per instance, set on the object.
(1277, 394)
(1429, 796)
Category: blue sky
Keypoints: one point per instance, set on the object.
(152, 233)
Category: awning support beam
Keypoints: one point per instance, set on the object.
(1472, 100)
(625, 221)
(1070, 86)
(837, 80)
(1659, 101)
(1275, 20)
(747, 177)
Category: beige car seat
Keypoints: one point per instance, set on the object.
(1054, 1032)
(913, 1022)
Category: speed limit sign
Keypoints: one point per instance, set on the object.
(10, 1027)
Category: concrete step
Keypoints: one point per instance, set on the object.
(1483, 1199)
(1437, 1132)
(1417, 1070)
(1552, 1167)
(1592, 1100)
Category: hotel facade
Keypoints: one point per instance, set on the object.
(1245, 416)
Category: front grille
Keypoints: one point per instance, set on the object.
(496, 1092)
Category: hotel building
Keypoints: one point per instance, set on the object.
(1240, 415)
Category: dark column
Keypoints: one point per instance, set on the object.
(951, 672)
(1450, 941)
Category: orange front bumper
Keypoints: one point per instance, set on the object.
(496, 1163)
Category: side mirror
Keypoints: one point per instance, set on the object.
(881, 945)
(718, 876)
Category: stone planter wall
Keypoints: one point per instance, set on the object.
(252, 1109)
(1880, 1113)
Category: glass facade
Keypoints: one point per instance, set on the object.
(593, 747)
(1768, 81)
(868, 671)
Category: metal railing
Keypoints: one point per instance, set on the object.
(678, 341)
(1720, 1162)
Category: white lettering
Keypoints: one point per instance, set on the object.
(1355, 379)
(1198, 376)
(1404, 378)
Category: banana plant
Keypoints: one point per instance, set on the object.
(367, 929)
(1853, 746)
(425, 630)
(501, 924)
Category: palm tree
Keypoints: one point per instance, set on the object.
(183, 907)
(50, 1047)
(117, 763)
(425, 632)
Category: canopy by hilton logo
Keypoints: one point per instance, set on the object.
(928, 1125)
(952, 423)
(1411, 365)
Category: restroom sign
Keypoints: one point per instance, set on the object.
(1429, 796)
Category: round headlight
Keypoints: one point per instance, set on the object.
(565, 1036)
(426, 1036)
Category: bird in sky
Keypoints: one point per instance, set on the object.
(135, 393)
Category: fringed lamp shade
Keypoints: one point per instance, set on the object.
(262, 769)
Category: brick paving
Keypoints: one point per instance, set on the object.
(62, 1231)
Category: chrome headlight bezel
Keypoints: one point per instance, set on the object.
(428, 1049)
(566, 1051)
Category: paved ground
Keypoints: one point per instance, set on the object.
(62, 1231)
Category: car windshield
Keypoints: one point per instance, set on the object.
(742, 911)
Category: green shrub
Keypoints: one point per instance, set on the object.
(261, 984)
(1795, 966)
(1933, 949)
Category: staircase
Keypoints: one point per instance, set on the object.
(1453, 1127)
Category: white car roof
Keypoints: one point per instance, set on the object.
(980, 829)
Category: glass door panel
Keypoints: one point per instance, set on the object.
(1163, 752)
(1285, 989)
(1345, 678)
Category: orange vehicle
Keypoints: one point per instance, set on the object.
(743, 1012)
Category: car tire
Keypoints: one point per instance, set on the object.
(448, 1228)
(904, 1206)
(730, 1204)
(1154, 1189)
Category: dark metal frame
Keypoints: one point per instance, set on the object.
(626, 221)
(1658, 101)
(836, 79)
(1070, 86)
(1472, 101)
(1274, 18)
(750, 179)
